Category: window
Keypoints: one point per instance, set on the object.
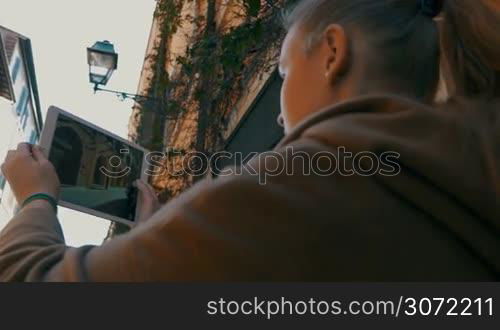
(24, 120)
(259, 123)
(24, 115)
(15, 71)
(22, 101)
(33, 137)
(24, 110)
(5, 83)
(2, 187)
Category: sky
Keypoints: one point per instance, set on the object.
(60, 31)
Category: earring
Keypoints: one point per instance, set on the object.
(281, 121)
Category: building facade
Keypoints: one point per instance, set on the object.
(210, 77)
(21, 118)
(214, 65)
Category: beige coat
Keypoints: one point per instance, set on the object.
(438, 219)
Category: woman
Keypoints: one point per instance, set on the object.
(359, 78)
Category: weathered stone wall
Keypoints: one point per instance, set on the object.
(181, 131)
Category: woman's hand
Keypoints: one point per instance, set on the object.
(147, 201)
(29, 172)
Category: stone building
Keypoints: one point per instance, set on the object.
(79, 154)
(211, 68)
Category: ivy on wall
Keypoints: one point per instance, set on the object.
(214, 72)
(216, 66)
(168, 16)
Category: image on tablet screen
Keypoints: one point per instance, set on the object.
(96, 171)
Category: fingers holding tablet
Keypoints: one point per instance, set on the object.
(97, 169)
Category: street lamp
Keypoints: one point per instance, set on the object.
(103, 61)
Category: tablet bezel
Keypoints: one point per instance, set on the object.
(46, 143)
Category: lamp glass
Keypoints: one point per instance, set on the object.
(102, 60)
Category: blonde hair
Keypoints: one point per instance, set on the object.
(406, 43)
(471, 45)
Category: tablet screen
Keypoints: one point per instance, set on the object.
(96, 171)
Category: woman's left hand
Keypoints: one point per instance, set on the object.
(29, 172)
(147, 201)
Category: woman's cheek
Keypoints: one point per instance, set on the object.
(285, 104)
(295, 98)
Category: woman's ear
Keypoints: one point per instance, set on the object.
(336, 47)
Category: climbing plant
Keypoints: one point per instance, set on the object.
(217, 64)
(214, 72)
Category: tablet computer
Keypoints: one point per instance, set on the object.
(95, 167)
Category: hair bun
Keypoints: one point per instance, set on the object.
(431, 8)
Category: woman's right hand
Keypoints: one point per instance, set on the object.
(29, 172)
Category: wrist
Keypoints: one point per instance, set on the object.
(47, 200)
(39, 204)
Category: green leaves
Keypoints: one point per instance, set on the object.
(215, 62)
(253, 7)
